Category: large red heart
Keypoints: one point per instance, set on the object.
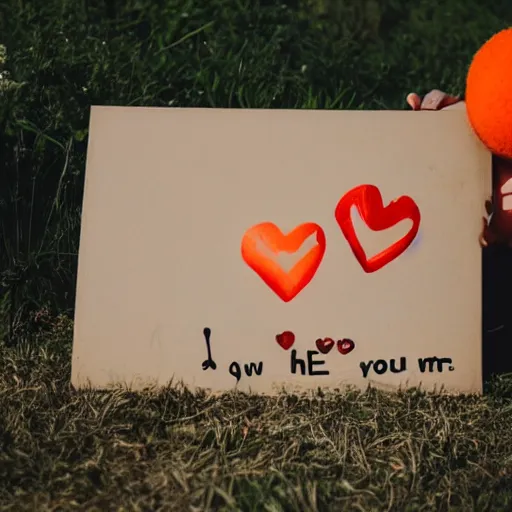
(368, 201)
(262, 243)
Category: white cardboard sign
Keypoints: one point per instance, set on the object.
(266, 249)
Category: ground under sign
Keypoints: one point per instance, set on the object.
(263, 249)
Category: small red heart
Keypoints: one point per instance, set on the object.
(324, 345)
(286, 339)
(345, 346)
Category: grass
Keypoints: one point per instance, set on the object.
(173, 450)
(169, 449)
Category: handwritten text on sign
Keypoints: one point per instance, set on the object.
(312, 363)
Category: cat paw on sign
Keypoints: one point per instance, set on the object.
(262, 250)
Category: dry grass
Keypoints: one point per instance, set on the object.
(174, 450)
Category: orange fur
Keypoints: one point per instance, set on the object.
(489, 93)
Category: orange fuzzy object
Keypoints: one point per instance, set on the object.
(489, 93)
